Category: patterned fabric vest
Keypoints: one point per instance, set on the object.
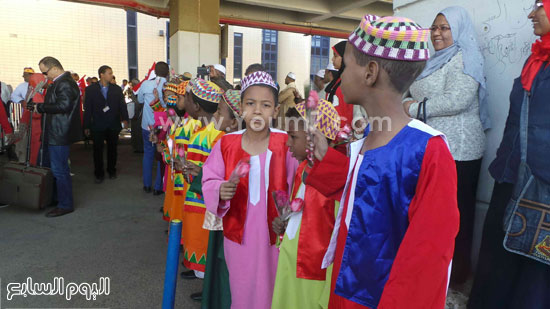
(199, 147)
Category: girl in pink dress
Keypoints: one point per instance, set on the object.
(245, 204)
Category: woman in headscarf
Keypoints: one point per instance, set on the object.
(454, 84)
(333, 91)
(504, 279)
(36, 80)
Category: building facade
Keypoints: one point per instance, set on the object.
(83, 37)
(280, 53)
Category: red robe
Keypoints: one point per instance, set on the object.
(316, 228)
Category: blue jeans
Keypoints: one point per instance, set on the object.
(149, 151)
(57, 158)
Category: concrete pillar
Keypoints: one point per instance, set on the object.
(294, 55)
(194, 34)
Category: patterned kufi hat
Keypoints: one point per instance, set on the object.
(394, 38)
(328, 120)
(182, 88)
(258, 78)
(233, 99)
(171, 101)
(207, 90)
(171, 87)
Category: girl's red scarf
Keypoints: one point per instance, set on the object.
(540, 53)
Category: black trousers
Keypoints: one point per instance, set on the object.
(136, 137)
(100, 137)
(467, 178)
(504, 279)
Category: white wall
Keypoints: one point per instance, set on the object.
(294, 55)
(505, 35)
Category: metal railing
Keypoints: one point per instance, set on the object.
(16, 112)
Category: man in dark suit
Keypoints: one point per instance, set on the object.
(104, 110)
(62, 128)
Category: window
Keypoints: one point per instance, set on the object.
(131, 30)
(269, 52)
(167, 42)
(237, 57)
(319, 54)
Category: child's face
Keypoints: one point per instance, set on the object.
(258, 108)
(190, 107)
(352, 78)
(297, 140)
(168, 93)
(224, 118)
(180, 102)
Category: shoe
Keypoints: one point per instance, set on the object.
(196, 296)
(112, 176)
(147, 189)
(189, 275)
(57, 212)
(98, 180)
(156, 192)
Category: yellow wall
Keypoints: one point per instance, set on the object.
(151, 46)
(252, 49)
(82, 36)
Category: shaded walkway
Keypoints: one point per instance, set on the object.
(116, 231)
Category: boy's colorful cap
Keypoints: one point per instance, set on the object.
(171, 87)
(258, 78)
(328, 120)
(207, 90)
(394, 38)
(182, 88)
(171, 101)
(233, 99)
(187, 75)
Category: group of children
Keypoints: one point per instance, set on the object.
(377, 225)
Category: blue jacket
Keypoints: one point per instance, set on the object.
(505, 166)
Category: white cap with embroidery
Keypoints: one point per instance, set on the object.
(220, 68)
(321, 73)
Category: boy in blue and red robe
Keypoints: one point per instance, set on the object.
(393, 238)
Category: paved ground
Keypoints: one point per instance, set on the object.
(116, 232)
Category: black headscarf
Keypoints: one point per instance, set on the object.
(331, 88)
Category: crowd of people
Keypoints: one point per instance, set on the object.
(359, 193)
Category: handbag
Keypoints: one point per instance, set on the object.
(527, 216)
(422, 109)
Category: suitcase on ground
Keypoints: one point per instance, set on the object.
(26, 186)
(23, 185)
